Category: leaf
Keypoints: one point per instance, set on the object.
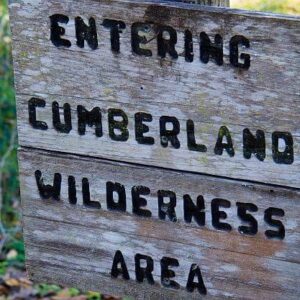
(74, 292)
(67, 293)
(106, 297)
(12, 282)
(3, 267)
(12, 254)
(12, 246)
(93, 296)
(25, 283)
(45, 290)
(3, 290)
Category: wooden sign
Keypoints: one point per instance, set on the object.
(159, 148)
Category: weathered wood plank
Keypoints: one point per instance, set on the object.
(264, 97)
(87, 193)
(100, 172)
(222, 3)
(61, 248)
(74, 239)
(181, 159)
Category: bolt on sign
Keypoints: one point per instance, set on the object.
(159, 148)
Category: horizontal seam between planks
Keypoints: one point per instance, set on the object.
(236, 180)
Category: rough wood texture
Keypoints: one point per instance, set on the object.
(74, 245)
(265, 97)
(222, 3)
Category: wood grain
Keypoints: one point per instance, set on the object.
(83, 257)
(178, 159)
(74, 244)
(222, 3)
(66, 239)
(265, 97)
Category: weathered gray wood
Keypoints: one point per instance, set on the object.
(180, 159)
(66, 254)
(65, 239)
(222, 3)
(265, 97)
(74, 244)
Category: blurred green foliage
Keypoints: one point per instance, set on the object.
(11, 244)
(8, 160)
(276, 6)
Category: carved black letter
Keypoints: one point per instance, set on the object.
(166, 41)
(86, 195)
(138, 201)
(217, 214)
(33, 103)
(191, 285)
(48, 191)
(188, 46)
(191, 141)
(208, 49)
(191, 210)
(72, 190)
(115, 271)
(118, 188)
(115, 30)
(166, 273)
(242, 214)
(220, 146)
(255, 145)
(137, 40)
(141, 128)
(142, 273)
(269, 213)
(85, 32)
(119, 125)
(234, 52)
(287, 156)
(169, 135)
(90, 118)
(57, 31)
(165, 209)
(63, 128)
